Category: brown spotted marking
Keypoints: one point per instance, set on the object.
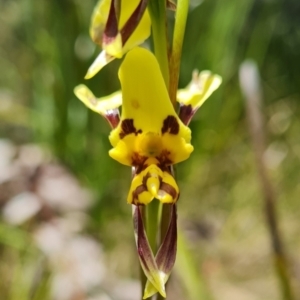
(165, 167)
(127, 127)
(164, 159)
(145, 178)
(135, 194)
(139, 168)
(138, 161)
(166, 187)
(170, 125)
(169, 189)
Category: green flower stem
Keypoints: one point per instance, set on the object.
(157, 10)
(153, 215)
(157, 215)
(179, 29)
(165, 219)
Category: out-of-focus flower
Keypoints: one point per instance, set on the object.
(7, 151)
(117, 27)
(21, 208)
(76, 260)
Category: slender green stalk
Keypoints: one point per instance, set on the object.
(155, 213)
(179, 29)
(152, 223)
(165, 220)
(157, 11)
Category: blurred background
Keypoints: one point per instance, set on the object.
(66, 230)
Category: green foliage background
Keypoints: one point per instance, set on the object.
(45, 51)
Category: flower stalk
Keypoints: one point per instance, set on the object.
(178, 36)
(153, 218)
(157, 10)
(170, 71)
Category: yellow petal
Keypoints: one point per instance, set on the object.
(178, 146)
(139, 193)
(98, 20)
(145, 185)
(151, 183)
(101, 60)
(169, 191)
(142, 31)
(123, 150)
(150, 289)
(100, 105)
(200, 88)
(149, 126)
(114, 48)
(146, 99)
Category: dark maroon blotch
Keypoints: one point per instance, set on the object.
(170, 125)
(186, 112)
(135, 194)
(113, 117)
(133, 21)
(127, 127)
(111, 28)
(169, 189)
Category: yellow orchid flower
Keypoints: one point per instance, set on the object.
(150, 137)
(118, 29)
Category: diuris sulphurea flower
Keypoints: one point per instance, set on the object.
(150, 137)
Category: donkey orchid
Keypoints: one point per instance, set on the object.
(148, 136)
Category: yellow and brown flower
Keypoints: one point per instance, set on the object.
(150, 137)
